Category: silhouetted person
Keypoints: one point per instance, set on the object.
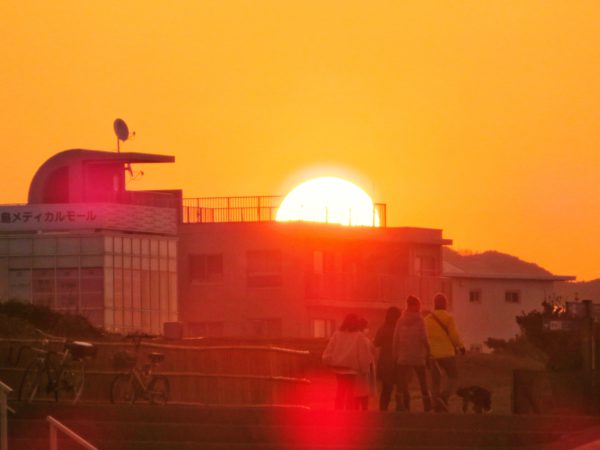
(411, 351)
(444, 343)
(386, 365)
(348, 353)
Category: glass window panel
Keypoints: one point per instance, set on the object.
(92, 245)
(67, 261)
(127, 246)
(137, 319)
(136, 289)
(108, 244)
(145, 289)
(19, 284)
(3, 246)
(118, 245)
(164, 248)
(164, 291)
(44, 261)
(172, 265)
(109, 319)
(118, 283)
(173, 293)
(135, 246)
(19, 262)
(146, 320)
(155, 324)
(136, 262)
(67, 288)
(68, 246)
(163, 264)
(92, 300)
(20, 246)
(109, 287)
(145, 263)
(92, 261)
(44, 246)
(154, 247)
(172, 249)
(127, 319)
(127, 294)
(155, 292)
(118, 261)
(127, 262)
(145, 247)
(118, 320)
(108, 260)
(154, 264)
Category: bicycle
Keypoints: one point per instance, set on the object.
(61, 374)
(138, 382)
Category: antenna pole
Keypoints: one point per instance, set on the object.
(118, 145)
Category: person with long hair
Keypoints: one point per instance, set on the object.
(411, 352)
(386, 365)
(348, 354)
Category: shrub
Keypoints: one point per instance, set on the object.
(29, 316)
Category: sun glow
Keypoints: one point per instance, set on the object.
(330, 200)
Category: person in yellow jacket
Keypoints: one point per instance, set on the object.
(444, 343)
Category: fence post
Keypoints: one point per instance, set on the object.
(53, 438)
(3, 420)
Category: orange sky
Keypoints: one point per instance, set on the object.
(478, 117)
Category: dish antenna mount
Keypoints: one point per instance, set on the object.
(122, 132)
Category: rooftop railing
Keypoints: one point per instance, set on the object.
(256, 209)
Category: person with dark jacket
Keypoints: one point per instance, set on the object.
(411, 352)
(386, 366)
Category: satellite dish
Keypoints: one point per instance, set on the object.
(121, 129)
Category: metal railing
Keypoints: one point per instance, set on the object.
(56, 426)
(253, 209)
(4, 391)
(348, 286)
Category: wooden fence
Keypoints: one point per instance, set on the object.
(215, 375)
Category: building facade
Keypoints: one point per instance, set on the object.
(487, 304)
(272, 279)
(84, 244)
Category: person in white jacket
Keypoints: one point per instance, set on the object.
(348, 354)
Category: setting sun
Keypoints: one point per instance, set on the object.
(331, 200)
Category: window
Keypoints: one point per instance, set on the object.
(263, 268)
(512, 297)
(206, 268)
(474, 296)
(323, 328)
(265, 327)
(425, 266)
(323, 262)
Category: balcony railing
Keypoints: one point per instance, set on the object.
(249, 209)
(339, 286)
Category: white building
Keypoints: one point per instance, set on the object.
(486, 304)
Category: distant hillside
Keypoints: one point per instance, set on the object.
(492, 262)
(582, 290)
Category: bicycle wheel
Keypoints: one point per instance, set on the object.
(31, 381)
(158, 390)
(122, 389)
(69, 384)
